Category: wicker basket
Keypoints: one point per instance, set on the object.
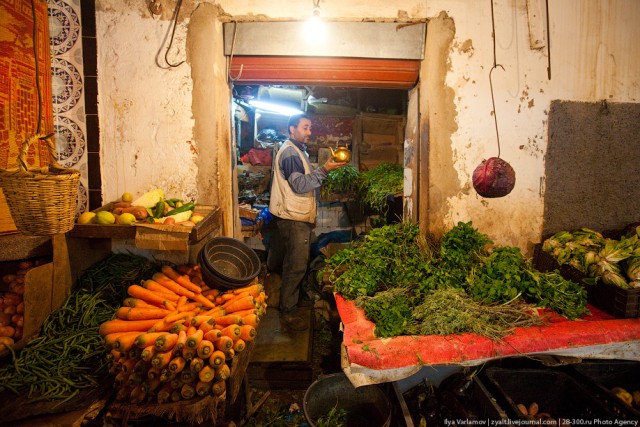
(42, 200)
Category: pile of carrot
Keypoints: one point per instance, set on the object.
(174, 338)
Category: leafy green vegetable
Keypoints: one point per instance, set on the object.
(377, 184)
(344, 180)
(390, 311)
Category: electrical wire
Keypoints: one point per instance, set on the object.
(495, 65)
(233, 45)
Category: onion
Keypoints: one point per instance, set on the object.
(5, 319)
(8, 278)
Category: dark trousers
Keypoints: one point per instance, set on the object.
(289, 251)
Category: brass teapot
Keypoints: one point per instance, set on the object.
(341, 154)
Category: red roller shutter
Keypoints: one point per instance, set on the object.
(320, 71)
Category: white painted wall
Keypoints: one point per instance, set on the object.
(147, 122)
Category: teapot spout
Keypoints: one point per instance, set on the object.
(333, 153)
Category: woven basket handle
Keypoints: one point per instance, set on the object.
(22, 156)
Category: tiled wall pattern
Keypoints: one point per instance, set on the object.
(74, 94)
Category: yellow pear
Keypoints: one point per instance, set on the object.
(126, 219)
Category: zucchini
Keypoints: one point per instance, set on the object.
(186, 207)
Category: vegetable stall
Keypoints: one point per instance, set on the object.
(461, 301)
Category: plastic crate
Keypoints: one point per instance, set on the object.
(603, 375)
(621, 303)
(556, 393)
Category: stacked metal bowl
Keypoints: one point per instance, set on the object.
(228, 263)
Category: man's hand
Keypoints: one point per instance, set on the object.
(333, 165)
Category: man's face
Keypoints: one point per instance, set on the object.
(302, 132)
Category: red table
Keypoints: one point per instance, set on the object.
(367, 359)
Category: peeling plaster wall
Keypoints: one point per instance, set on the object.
(148, 117)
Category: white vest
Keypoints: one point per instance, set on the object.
(286, 204)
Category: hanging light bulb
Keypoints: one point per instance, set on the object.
(315, 29)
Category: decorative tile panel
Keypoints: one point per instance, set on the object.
(67, 84)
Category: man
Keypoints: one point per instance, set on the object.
(294, 189)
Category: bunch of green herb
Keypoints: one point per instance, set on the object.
(500, 277)
(390, 310)
(459, 250)
(377, 184)
(563, 296)
(333, 418)
(389, 256)
(452, 311)
(344, 180)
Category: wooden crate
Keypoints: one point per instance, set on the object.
(209, 224)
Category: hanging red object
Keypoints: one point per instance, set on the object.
(494, 178)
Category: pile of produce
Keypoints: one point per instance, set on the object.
(612, 261)
(175, 338)
(12, 303)
(152, 207)
(68, 355)
(408, 283)
(372, 187)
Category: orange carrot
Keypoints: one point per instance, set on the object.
(217, 358)
(135, 302)
(239, 345)
(203, 389)
(215, 311)
(232, 331)
(140, 313)
(222, 372)
(161, 360)
(147, 339)
(109, 339)
(223, 343)
(212, 335)
(182, 339)
(204, 349)
(206, 302)
(199, 320)
(170, 306)
(211, 292)
(243, 313)
(188, 269)
(237, 304)
(196, 364)
(166, 342)
(119, 325)
(230, 353)
(254, 289)
(145, 294)
(248, 332)
(175, 316)
(229, 319)
(208, 325)
(172, 285)
(218, 387)
(154, 286)
(187, 391)
(183, 280)
(125, 341)
(148, 353)
(206, 374)
(181, 301)
(229, 295)
(194, 339)
(190, 306)
(250, 319)
(189, 353)
(177, 364)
